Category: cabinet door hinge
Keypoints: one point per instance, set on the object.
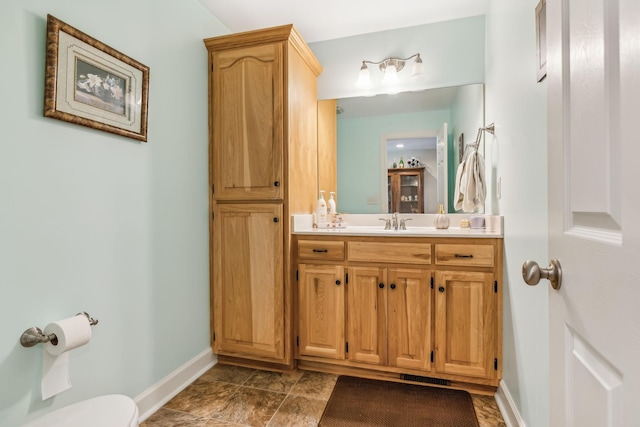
(495, 364)
(213, 216)
(213, 188)
(214, 336)
(346, 278)
(432, 283)
(346, 347)
(495, 286)
(297, 341)
(432, 356)
(296, 275)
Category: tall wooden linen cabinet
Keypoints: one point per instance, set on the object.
(262, 169)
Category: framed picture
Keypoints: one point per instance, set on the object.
(90, 84)
(541, 39)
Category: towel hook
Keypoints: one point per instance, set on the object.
(490, 128)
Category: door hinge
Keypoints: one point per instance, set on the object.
(432, 356)
(296, 275)
(346, 347)
(495, 364)
(346, 278)
(213, 188)
(495, 286)
(213, 216)
(214, 336)
(297, 341)
(432, 283)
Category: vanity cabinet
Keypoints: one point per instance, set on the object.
(409, 309)
(321, 318)
(406, 190)
(389, 312)
(465, 337)
(262, 168)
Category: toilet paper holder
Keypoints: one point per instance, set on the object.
(34, 335)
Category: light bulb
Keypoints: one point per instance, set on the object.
(390, 75)
(364, 78)
(417, 71)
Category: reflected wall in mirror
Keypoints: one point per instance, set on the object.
(367, 125)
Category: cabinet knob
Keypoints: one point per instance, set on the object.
(441, 289)
(392, 286)
(276, 219)
(276, 183)
(338, 282)
(381, 285)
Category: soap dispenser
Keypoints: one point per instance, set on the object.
(321, 209)
(442, 220)
(332, 203)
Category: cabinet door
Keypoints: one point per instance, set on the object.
(409, 333)
(465, 321)
(367, 316)
(248, 286)
(321, 311)
(247, 117)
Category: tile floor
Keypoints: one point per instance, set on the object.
(235, 396)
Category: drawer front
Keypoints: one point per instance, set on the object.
(321, 250)
(465, 255)
(405, 253)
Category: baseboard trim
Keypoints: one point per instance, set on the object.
(508, 407)
(164, 390)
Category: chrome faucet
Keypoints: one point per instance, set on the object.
(403, 225)
(387, 223)
(394, 220)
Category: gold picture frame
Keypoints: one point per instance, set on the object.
(541, 40)
(91, 84)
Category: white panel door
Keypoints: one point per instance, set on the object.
(594, 211)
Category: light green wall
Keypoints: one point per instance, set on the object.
(97, 222)
(518, 156)
(360, 139)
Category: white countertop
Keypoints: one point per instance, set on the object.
(421, 225)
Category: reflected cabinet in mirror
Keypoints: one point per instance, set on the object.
(379, 136)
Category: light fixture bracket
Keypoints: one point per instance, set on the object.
(396, 62)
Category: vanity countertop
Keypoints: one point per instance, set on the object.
(421, 225)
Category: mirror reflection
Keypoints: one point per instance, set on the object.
(422, 133)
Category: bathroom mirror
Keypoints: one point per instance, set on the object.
(370, 129)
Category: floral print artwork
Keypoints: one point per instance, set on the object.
(98, 88)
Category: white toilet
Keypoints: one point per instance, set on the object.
(113, 410)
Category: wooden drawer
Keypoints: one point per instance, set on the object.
(321, 250)
(405, 253)
(465, 255)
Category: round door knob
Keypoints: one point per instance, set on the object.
(441, 289)
(392, 286)
(381, 285)
(338, 282)
(532, 273)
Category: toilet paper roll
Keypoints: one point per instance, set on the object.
(71, 333)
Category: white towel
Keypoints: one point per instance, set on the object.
(470, 191)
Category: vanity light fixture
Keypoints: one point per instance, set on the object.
(390, 68)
